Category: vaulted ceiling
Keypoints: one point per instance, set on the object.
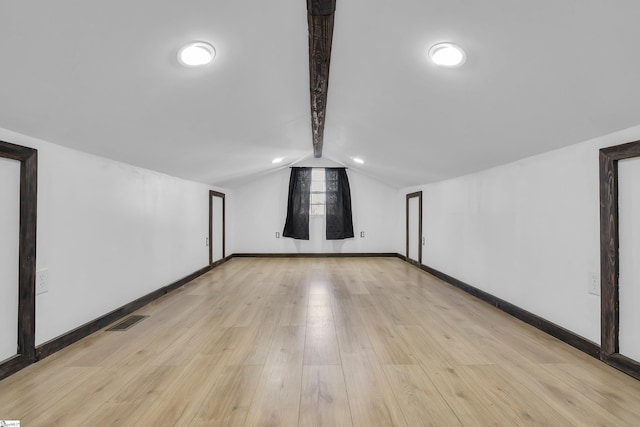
(102, 77)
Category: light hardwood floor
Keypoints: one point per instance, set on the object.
(320, 342)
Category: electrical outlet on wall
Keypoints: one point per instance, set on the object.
(42, 281)
(594, 284)
(362, 234)
(277, 234)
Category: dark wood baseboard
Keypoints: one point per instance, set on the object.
(565, 335)
(95, 325)
(220, 261)
(315, 255)
(624, 364)
(13, 365)
(19, 362)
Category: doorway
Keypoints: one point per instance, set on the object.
(216, 227)
(618, 241)
(21, 353)
(628, 256)
(9, 244)
(413, 252)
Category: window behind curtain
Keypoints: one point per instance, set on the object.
(318, 187)
(297, 223)
(338, 204)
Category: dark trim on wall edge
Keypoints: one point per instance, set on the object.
(623, 363)
(220, 261)
(13, 365)
(565, 335)
(610, 257)
(27, 236)
(213, 194)
(58, 343)
(592, 349)
(316, 255)
(50, 347)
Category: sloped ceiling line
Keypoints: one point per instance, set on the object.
(320, 15)
(103, 78)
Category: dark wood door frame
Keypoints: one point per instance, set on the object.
(417, 194)
(26, 352)
(213, 194)
(609, 257)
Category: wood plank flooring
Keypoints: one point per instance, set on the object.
(320, 342)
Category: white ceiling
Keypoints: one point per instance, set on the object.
(102, 77)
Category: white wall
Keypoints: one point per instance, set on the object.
(109, 233)
(629, 248)
(260, 210)
(9, 245)
(526, 232)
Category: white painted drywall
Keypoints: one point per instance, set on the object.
(109, 233)
(9, 246)
(260, 209)
(217, 229)
(629, 249)
(526, 232)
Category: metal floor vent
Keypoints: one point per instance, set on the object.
(127, 323)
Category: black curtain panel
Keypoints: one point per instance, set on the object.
(297, 223)
(338, 204)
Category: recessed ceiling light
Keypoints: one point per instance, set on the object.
(277, 160)
(196, 54)
(447, 55)
(358, 160)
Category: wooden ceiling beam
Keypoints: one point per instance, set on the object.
(320, 20)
